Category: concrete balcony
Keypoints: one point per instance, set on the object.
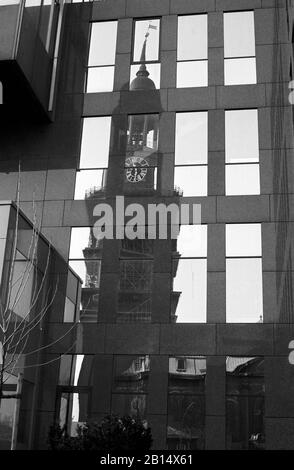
(27, 40)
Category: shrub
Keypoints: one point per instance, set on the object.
(113, 434)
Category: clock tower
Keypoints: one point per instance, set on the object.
(142, 141)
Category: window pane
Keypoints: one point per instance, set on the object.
(152, 28)
(143, 134)
(192, 241)
(154, 71)
(187, 374)
(240, 71)
(83, 244)
(243, 239)
(136, 280)
(136, 275)
(192, 180)
(134, 307)
(242, 179)
(100, 79)
(131, 374)
(103, 43)
(69, 311)
(244, 290)
(4, 216)
(83, 369)
(73, 411)
(89, 271)
(245, 423)
(192, 74)
(23, 288)
(186, 422)
(65, 369)
(2, 253)
(129, 405)
(192, 37)
(245, 375)
(90, 183)
(239, 37)
(95, 142)
(141, 156)
(189, 291)
(7, 410)
(245, 403)
(72, 286)
(242, 136)
(191, 128)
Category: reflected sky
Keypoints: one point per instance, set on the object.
(79, 241)
(87, 181)
(192, 37)
(244, 290)
(192, 74)
(100, 79)
(242, 136)
(239, 36)
(242, 179)
(243, 240)
(192, 241)
(192, 180)
(152, 49)
(95, 142)
(103, 43)
(240, 71)
(191, 282)
(191, 128)
(88, 271)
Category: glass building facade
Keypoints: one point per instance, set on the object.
(165, 102)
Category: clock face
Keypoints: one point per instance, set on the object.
(136, 169)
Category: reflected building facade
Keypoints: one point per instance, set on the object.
(162, 102)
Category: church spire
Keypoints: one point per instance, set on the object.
(143, 72)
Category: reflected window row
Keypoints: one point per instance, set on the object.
(188, 301)
(192, 52)
(242, 168)
(187, 388)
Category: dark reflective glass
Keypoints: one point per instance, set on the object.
(136, 275)
(187, 374)
(134, 307)
(141, 156)
(131, 374)
(6, 422)
(75, 370)
(186, 402)
(245, 403)
(186, 422)
(73, 411)
(130, 405)
(136, 248)
(69, 311)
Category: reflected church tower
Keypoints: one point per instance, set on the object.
(142, 137)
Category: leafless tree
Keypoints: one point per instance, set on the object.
(20, 333)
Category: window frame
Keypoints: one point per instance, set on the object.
(181, 61)
(239, 163)
(245, 257)
(102, 65)
(139, 62)
(240, 57)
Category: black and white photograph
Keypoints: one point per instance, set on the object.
(146, 230)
